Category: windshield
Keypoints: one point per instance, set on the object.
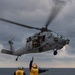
(57, 35)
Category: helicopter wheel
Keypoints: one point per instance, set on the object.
(55, 52)
(17, 58)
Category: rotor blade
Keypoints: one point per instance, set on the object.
(30, 27)
(58, 4)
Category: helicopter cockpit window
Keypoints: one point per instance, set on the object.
(57, 35)
(60, 36)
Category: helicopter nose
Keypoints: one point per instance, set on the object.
(67, 41)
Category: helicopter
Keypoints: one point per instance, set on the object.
(42, 41)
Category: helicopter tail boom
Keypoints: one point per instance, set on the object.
(4, 51)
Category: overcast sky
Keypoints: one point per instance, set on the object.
(35, 13)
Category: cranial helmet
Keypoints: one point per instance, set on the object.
(34, 65)
(21, 67)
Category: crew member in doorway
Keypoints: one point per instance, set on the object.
(34, 70)
(36, 43)
(20, 71)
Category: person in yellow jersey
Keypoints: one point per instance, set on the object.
(20, 71)
(34, 70)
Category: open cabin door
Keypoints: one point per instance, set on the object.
(35, 41)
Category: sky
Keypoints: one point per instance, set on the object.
(35, 13)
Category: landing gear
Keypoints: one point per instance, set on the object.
(55, 52)
(17, 58)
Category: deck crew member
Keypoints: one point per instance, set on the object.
(34, 70)
(20, 71)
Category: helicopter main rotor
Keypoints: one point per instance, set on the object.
(58, 4)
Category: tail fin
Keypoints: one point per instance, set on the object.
(11, 51)
(7, 52)
(11, 45)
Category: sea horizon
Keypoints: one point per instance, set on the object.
(52, 71)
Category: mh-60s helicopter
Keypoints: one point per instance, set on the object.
(43, 41)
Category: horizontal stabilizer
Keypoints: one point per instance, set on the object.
(7, 52)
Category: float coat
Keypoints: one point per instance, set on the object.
(20, 72)
(34, 71)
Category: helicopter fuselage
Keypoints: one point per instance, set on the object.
(42, 42)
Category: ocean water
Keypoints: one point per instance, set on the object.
(52, 71)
